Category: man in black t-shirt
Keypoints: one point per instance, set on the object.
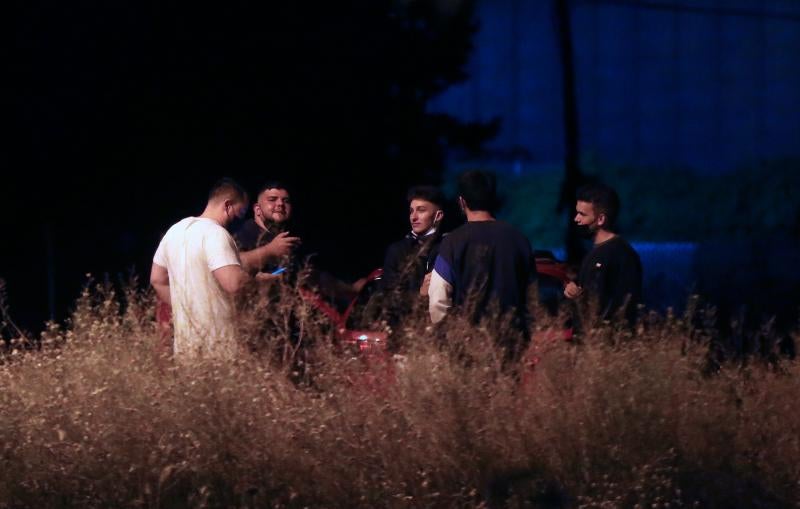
(272, 212)
(612, 272)
(485, 264)
(272, 217)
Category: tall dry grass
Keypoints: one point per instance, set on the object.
(97, 417)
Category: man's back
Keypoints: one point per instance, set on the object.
(488, 261)
(203, 312)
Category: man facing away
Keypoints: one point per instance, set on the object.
(197, 269)
(611, 272)
(408, 260)
(484, 264)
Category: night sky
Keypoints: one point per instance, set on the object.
(122, 114)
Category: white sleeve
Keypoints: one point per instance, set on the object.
(440, 295)
(221, 249)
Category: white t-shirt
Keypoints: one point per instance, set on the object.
(202, 311)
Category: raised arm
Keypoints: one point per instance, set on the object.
(282, 245)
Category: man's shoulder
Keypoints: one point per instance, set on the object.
(614, 248)
(247, 235)
(620, 244)
(399, 247)
(458, 233)
(178, 228)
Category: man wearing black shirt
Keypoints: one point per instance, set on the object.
(272, 215)
(612, 272)
(485, 264)
(272, 212)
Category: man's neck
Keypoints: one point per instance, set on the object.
(215, 215)
(269, 226)
(260, 222)
(603, 236)
(420, 236)
(478, 215)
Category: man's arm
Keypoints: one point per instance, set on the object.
(625, 287)
(282, 245)
(440, 295)
(231, 277)
(159, 278)
(390, 273)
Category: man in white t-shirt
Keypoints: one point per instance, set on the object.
(197, 269)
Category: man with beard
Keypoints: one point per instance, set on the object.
(611, 273)
(272, 213)
(197, 269)
(272, 217)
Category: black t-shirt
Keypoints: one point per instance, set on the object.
(487, 262)
(251, 236)
(611, 272)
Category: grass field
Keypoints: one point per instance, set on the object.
(96, 417)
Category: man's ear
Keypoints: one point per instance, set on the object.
(601, 219)
(438, 216)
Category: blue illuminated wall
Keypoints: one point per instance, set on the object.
(701, 84)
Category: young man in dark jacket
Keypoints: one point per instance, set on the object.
(408, 260)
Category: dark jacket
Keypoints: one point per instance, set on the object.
(408, 260)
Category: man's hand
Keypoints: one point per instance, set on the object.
(255, 259)
(282, 245)
(426, 283)
(266, 277)
(359, 284)
(572, 291)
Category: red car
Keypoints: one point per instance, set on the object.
(552, 275)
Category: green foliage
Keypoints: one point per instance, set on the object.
(665, 204)
(680, 205)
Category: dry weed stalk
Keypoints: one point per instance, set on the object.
(99, 418)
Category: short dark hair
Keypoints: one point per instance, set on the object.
(428, 193)
(273, 184)
(604, 200)
(479, 190)
(228, 189)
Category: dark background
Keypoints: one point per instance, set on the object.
(122, 114)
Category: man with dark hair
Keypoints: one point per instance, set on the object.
(197, 269)
(408, 260)
(612, 272)
(484, 264)
(272, 217)
(272, 214)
